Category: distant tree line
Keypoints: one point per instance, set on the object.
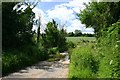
(78, 33)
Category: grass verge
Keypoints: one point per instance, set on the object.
(84, 63)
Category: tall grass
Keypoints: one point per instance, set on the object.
(84, 63)
(109, 44)
(101, 60)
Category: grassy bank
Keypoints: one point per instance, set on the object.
(84, 61)
(97, 60)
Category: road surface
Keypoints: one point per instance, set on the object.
(44, 69)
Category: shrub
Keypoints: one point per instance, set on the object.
(53, 50)
(63, 48)
(55, 57)
(84, 63)
(71, 44)
(16, 60)
(110, 62)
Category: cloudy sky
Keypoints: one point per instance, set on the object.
(62, 11)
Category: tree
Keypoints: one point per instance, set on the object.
(70, 34)
(38, 30)
(100, 15)
(62, 44)
(78, 33)
(54, 37)
(17, 26)
(51, 35)
(10, 25)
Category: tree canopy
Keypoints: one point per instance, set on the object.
(54, 37)
(17, 27)
(100, 15)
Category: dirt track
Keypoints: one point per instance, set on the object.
(44, 69)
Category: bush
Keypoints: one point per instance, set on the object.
(53, 50)
(16, 60)
(109, 44)
(55, 57)
(63, 48)
(84, 63)
(71, 44)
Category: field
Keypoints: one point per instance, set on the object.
(77, 39)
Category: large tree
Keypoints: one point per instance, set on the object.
(10, 25)
(100, 15)
(78, 33)
(54, 37)
(51, 36)
(16, 26)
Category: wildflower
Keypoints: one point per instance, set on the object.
(113, 52)
(116, 45)
(111, 62)
(118, 41)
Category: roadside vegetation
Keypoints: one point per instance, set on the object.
(84, 62)
(100, 59)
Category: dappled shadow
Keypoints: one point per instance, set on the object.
(43, 69)
(23, 71)
(48, 66)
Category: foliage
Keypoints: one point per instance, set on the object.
(17, 27)
(84, 62)
(104, 56)
(70, 34)
(103, 59)
(109, 44)
(70, 44)
(100, 15)
(88, 35)
(78, 33)
(9, 19)
(53, 50)
(15, 60)
(19, 47)
(54, 37)
(55, 57)
(38, 34)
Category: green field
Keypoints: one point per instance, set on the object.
(77, 39)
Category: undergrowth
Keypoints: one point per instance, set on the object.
(15, 60)
(97, 60)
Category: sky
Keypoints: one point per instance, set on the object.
(63, 12)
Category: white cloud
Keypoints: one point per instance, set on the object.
(65, 13)
(39, 13)
(61, 13)
(88, 30)
(76, 5)
(76, 24)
